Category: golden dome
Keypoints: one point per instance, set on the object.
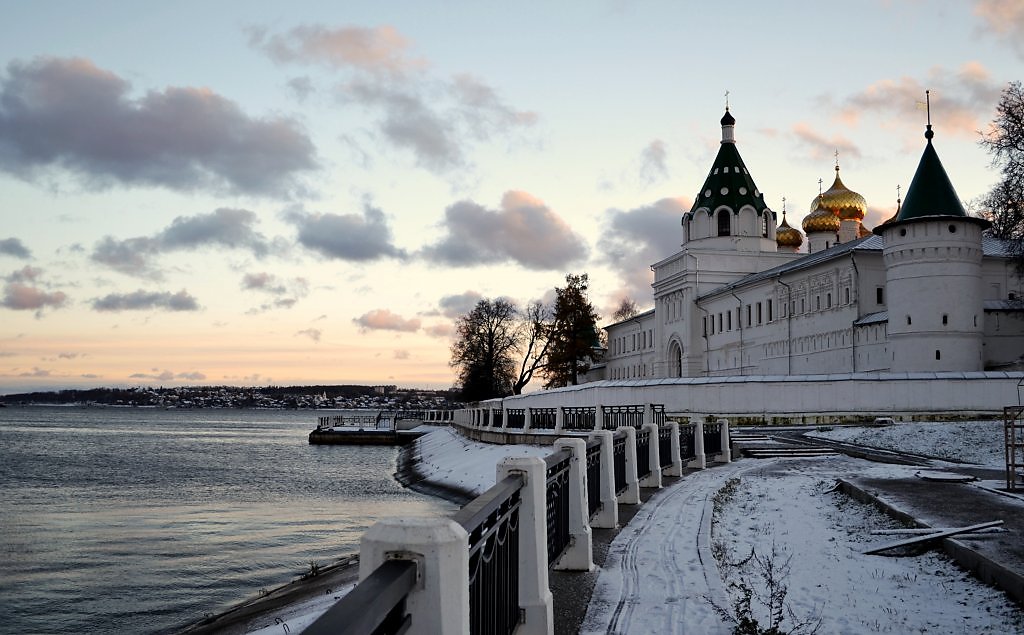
(786, 236)
(844, 202)
(821, 218)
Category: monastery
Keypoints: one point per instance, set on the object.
(926, 291)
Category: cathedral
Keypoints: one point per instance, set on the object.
(925, 291)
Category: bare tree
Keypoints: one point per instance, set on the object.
(533, 343)
(626, 309)
(1005, 143)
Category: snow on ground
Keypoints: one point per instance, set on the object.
(979, 442)
(450, 459)
(661, 568)
(821, 533)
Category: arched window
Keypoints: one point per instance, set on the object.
(724, 223)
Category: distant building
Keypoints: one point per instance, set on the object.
(924, 291)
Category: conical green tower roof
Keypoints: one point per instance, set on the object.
(728, 182)
(931, 193)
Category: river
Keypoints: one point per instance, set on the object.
(139, 520)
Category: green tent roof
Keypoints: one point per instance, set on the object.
(931, 193)
(728, 182)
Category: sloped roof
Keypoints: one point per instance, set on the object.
(869, 243)
(728, 183)
(991, 247)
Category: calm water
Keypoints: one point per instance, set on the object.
(140, 520)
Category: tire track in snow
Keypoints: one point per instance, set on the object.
(678, 521)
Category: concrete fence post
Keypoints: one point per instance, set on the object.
(631, 495)
(534, 592)
(726, 455)
(440, 547)
(559, 418)
(700, 461)
(504, 415)
(579, 555)
(608, 516)
(676, 468)
(527, 418)
(653, 455)
(598, 417)
(648, 413)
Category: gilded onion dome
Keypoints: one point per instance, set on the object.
(821, 218)
(844, 202)
(786, 236)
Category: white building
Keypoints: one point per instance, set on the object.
(925, 292)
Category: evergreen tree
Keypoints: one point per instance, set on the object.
(574, 335)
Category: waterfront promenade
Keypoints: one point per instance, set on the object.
(656, 572)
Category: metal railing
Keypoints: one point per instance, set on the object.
(376, 605)
(615, 416)
(593, 477)
(543, 418)
(557, 473)
(687, 442)
(643, 452)
(496, 420)
(516, 418)
(664, 446)
(658, 414)
(712, 438)
(579, 418)
(492, 522)
(619, 461)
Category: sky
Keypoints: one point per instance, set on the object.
(311, 193)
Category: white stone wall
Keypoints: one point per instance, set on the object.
(798, 397)
(934, 282)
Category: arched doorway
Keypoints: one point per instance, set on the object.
(675, 359)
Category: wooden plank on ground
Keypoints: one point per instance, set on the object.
(945, 533)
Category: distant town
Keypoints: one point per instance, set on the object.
(279, 397)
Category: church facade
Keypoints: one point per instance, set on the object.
(925, 291)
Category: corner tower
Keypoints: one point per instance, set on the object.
(932, 253)
(729, 212)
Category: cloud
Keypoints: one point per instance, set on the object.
(313, 334)
(820, 148)
(524, 231)
(1003, 19)
(22, 292)
(68, 113)
(36, 372)
(285, 293)
(224, 227)
(652, 162)
(14, 247)
(454, 306)
(376, 50)
(439, 330)
(961, 99)
(633, 240)
(438, 120)
(142, 300)
(69, 355)
(385, 320)
(401, 354)
(354, 237)
(301, 87)
(168, 375)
